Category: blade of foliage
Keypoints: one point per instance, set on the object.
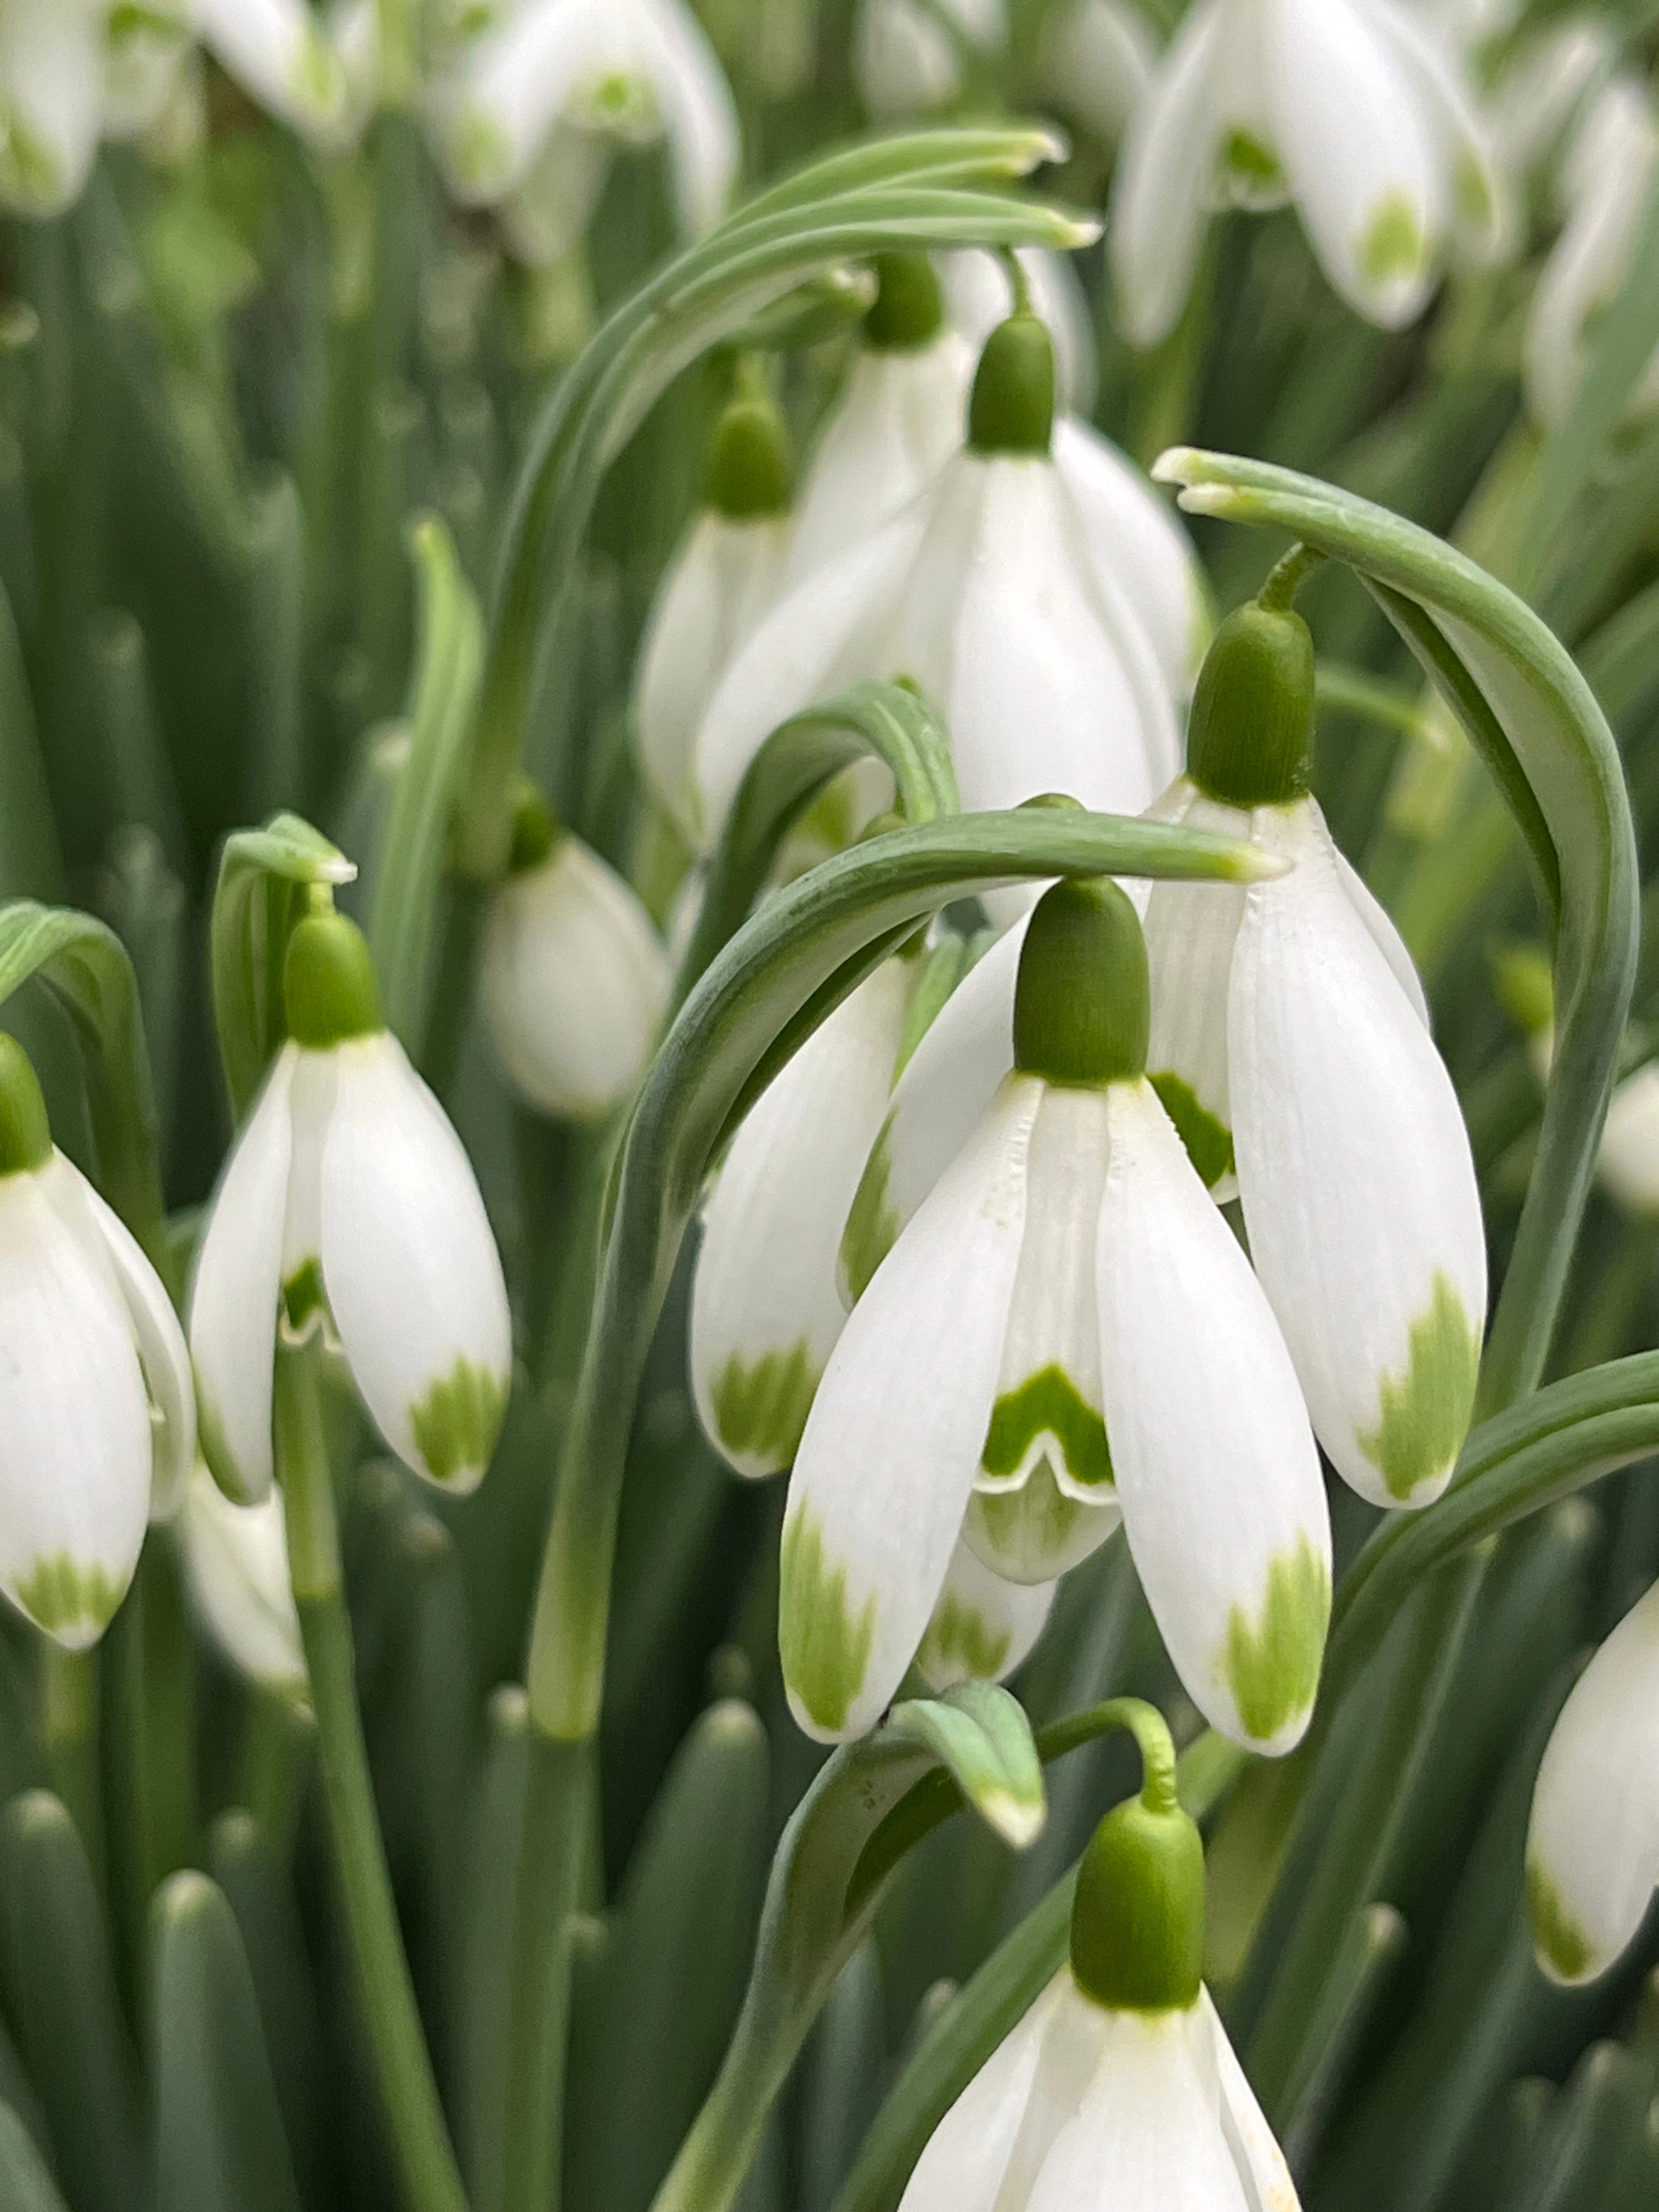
(25, 2183)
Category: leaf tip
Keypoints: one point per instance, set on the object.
(1019, 1820)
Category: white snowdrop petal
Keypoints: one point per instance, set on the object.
(410, 1265)
(1160, 203)
(1224, 1505)
(947, 1086)
(279, 52)
(1355, 1168)
(906, 61)
(1478, 199)
(699, 116)
(51, 86)
(494, 111)
(1191, 932)
(573, 983)
(545, 214)
(1356, 151)
(1629, 1161)
(765, 1308)
(963, 2168)
(163, 1354)
(1034, 1533)
(75, 1429)
(887, 1460)
(236, 1558)
(232, 1325)
(1095, 60)
(982, 1627)
(145, 59)
(1136, 542)
(1256, 2154)
(715, 590)
(1383, 935)
(1593, 1841)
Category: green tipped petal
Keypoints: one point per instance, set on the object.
(761, 1408)
(961, 1641)
(1560, 1942)
(1394, 245)
(1272, 1666)
(824, 1645)
(68, 1601)
(1209, 1142)
(1049, 1404)
(458, 1421)
(874, 1225)
(1425, 1411)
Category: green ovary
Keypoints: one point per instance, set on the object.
(761, 1406)
(872, 1226)
(1425, 1411)
(59, 1596)
(824, 1644)
(1049, 1404)
(961, 1641)
(1560, 1942)
(1272, 1666)
(457, 1423)
(1394, 245)
(1209, 1142)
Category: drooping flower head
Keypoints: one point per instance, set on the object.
(236, 1559)
(909, 56)
(348, 1204)
(97, 1412)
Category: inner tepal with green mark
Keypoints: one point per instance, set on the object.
(1049, 1404)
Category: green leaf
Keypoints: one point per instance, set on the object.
(450, 657)
(31, 863)
(980, 1736)
(86, 969)
(1538, 726)
(219, 2138)
(60, 1991)
(889, 722)
(264, 877)
(25, 2183)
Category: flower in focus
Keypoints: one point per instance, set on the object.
(1119, 2085)
(97, 1412)
(1066, 1331)
(982, 1626)
(347, 1201)
(236, 1558)
(1593, 1841)
(909, 56)
(723, 579)
(1356, 110)
(1609, 173)
(528, 107)
(1291, 1044)
(993, 594)
(573, 981)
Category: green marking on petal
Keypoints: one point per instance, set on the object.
(58, 1595)
(1273, 1667)
(1394, 245)
(961, 1641)
(480, 153)
(1049, 1404)
(1251, 164)
(1561, 1943)
(823, 1646)
(458, 1421)
(1209, 1142)
(32, 171)
(872, 1226)
(1472, 192)
(1035, 1534)
(303, 1295)
(1426, 1412)
(761, 1406)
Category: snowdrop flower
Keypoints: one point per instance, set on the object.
(1291, 1045)
(1593, 1841)
(718, 585)
(1066, 1331)
(97, 1416)
(348, 1202)
(236, 1559)
(975, 284)
(1356, 110)
(765, 1308)
(897, 422)
(574, 981)
(983, 1626)
(1629, 1162)
(52, 90)
(1119, 2085)
(310, 70)
(1544, 87)
(1095, 61)
(529, 107)
(990, 593)
(1609, 174)
(906, 59)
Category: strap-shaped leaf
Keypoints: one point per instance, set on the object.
(889, 722)
(264, 877)
(449, 659)
(85, 967)
(25, 2183)
(1537, 725)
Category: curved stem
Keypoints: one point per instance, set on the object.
(1277, 594)
(432, 2181)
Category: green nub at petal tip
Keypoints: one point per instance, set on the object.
(824, 1644)
(59, 1595)
(1394, 245)
(960, 1637)
(761, 1406)
(1013, 407)
(1425, 1411)
(1250, 737)
(329, 988)
(456, 1424)
(1560, 1942)
(1272, 1664)
(1049, 1403)
(1138, 1913)
(1209, 1142)
(749, 461)
(1083, 1003)
(908, 310)
(25, 1131)
(536, 831)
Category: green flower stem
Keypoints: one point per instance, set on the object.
(787, 969)
(68, 1731)
(419, 2133)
